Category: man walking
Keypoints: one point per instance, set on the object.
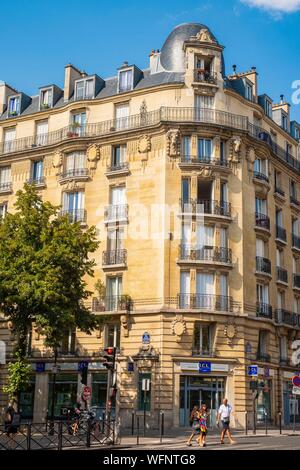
(224, 413)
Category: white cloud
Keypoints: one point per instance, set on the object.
(280, 6)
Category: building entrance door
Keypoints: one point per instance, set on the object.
(195, 390)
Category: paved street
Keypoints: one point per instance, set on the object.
(273, 441)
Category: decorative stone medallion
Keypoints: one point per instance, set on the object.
(173, 149)
(144, 144)
(93, 155)
(230, 332)
(178, 327)
(57, 160)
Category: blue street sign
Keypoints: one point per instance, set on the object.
(267, 372)
(252, 371)
(204, 367)
(82, 365)
(146, 338)
(130, 366)
(40, 367)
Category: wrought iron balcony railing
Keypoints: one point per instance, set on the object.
(114, 257)
(296, 241)
(294, 201)
(200, 160)
(112, 303)
(205, 76)
(203, 352)
(261, 176)
(282, 274)
(194, 206)
(279, 191)
(6, 186)
(37, 181)
(264, 310)
(205, 253)
(163, 114)
(219, 303)
(262, 221)
(263, 357)
(263, 265)
(120, 166)
(116, 212)
(76, 215)
(280, 233)
(75, 173)
(285, 317)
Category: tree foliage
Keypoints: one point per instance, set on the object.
(18, 376)
(44, 261)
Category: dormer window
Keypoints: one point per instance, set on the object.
(284, 121)
(125, 80)
(84, 89)
(14, 106)
(248, 91)
(269, 109)
(46, 98)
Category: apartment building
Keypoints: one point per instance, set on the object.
(191, 177)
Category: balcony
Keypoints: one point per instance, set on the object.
(114, 258)
(116, 213)
(282, 275)
(6, 187)
(261, 176)
(264, 310)
(279, 192)
(296, 281)
(294, 202)
(205, 76)
(113, 303)
(284, 317)
(280, 234)
(263, 357)
(262, 221)
(205, 254)
(76, 215)
(203, 352)
(189, 162)
(206, 207)
(218, 303)
(74, 174)
(38, 182)
(263, 265)
(295, 242)
(118, 169)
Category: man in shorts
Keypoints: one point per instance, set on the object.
(224, 414)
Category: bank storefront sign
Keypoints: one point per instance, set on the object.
(204, 367)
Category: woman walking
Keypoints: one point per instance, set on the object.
(203, 415)
(194, 420)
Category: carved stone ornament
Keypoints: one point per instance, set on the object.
(250, 155)
(72, 185)
(206, 171)
(93, 155)
(230, 332)
(144, 144)
(124, 323)
(205, 36)
(173, 149)
(57, 160)
(235, 149)
(178, 327)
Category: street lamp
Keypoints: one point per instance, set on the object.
(55, 370)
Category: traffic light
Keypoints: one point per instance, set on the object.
(110, 358)
(83, 369)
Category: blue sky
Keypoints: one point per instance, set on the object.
(38, 38)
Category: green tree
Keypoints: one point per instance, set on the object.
(44, 261)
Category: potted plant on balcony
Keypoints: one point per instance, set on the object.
(99, 301)
(125, 302)
(45, 106)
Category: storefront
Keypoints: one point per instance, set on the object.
(65, 393)
(264, 401)
(291, 404)
(26, 400)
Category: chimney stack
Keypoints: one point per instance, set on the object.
(71, 74)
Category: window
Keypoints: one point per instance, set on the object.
(73, 205)
(284, 121)
(118, 196)
(260, 248)
(203, 102)
(223, 193)
(293, 189)
(122, 116)
(223, 156)
(78, 123)
(283, 348)
(280, 300)
(46, 98)
(187, 147)
(112, 338)
(65, 392)
(14, 106)
(37, 171)
(75, 164)
(295, 227)
(262, 294)
(9, 139)
(84, 89)
(144, 398)
(203, 339)
(269, 109)
(248, 91)
(125, 80)
(261, 167)
(277, 180)
(205, 236)
(42, 133)
(205, 284)
(279, 218)
(204, 149)
(68, 343)
(297, 133)
(262, 344)
(279, 258)
(3, 210)
(296, 304)
(118, 157)
(114, 292)
(115, 238)
(99, 389)
(261, 206)
(5, 177)
(185, 190)
(184, 289)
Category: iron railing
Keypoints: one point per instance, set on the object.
(263, 265)
(112, 257)
(76, 215)
(279, 191)
(120, 166)
(260, 176)
(74, 173)
(205, 253)
(163, 114)
(7, 186)
(294, 201)
(264, 357)
(285, 317)
(116, 212)
(112, 303)
(205, 76)
(264, 310)
(282, 274)
(203, 352)
(195, 206)
(280, 233)
(36, 181)
(296, 241)
(262, 221)
(200, 160)
(217, 303)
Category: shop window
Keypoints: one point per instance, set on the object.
(26, 399)
(65, 394)
(99, 388)
(144, 398)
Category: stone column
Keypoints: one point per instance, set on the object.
(41, 397)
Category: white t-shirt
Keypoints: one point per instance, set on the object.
(225, 411)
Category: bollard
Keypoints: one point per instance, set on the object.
(162, 425)
(138, 431)
(246, 423)
(266, 422)
(132, 422)
(280, 423)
